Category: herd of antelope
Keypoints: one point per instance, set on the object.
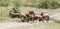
(30, 16)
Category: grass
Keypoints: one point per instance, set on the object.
(5, 18)
(4, 12)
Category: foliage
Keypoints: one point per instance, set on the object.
(32, 3)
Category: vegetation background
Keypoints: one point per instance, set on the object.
(31, 3)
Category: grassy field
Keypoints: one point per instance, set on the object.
(4, 12)
(4, 17)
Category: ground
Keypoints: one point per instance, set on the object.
(16, 25)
